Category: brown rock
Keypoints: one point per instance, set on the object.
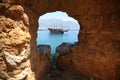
(64, 60)
(97, 55)
(64, 48)
(44, 49)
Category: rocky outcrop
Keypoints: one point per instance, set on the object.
(15, 43)
(99, 39)
(45, 49)
(86, 61)
(19, 59)
(64, 58)
(64, 48)
(97, 61)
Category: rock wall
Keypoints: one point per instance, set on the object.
(19, 59)
(15, 42)
(99, 39)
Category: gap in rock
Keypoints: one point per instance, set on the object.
(54, 29)
(64, 29)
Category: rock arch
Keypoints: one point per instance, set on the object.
(97, 54)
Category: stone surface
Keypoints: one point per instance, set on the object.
(64, 48)
(98, 53)
(18, 60)
(45, 49)
(64, 75)
(63, 61)
(15, 50)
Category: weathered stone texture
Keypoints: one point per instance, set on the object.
(15, 44)
(97, 55)
(17, 60)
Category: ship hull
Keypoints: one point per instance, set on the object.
(52, 30)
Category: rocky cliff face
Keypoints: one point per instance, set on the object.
(99, 39)
(19, 59)
(14, 42)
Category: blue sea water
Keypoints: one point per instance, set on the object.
(54, 40)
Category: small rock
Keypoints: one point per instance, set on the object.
(64, 48)
(45, 49)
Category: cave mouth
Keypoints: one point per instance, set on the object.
(57, 20)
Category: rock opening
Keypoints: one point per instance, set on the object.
(98, 53)
(54, 29)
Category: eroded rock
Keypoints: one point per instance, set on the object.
(97, 55)
(44, 49)
(64, 48)
(64, 59)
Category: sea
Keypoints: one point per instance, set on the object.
(54, 40)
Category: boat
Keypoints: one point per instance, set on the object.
(53, 30)
(57, 29)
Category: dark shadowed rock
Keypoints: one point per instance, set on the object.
(64, 48)
(45, 49)
(65, 58)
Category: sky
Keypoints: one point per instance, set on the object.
(57, 15)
